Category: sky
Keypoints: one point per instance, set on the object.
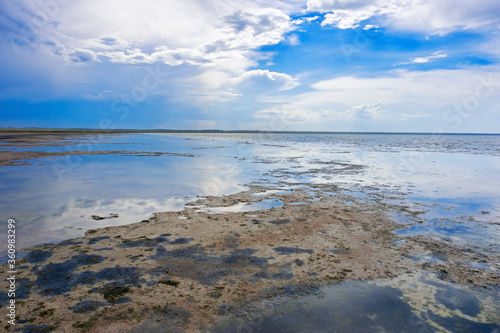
(311, 65)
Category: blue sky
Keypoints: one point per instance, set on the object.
(329, 65)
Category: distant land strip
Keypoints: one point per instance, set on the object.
(112, 131)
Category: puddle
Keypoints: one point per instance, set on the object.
(407, 304)
(461, 221)
(243, 207)
(268, 192)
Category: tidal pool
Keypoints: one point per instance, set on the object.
(406, 304)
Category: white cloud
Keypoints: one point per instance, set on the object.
(397, 96)
(419, 114)
(293, 39)
(82, 56)
(297, 113)
(428, 16)
(161, 54)
(303, 113)
(444, 16)
(285, 81)
(421, 60)
(365, 111)
(217, 86)
(101, 96)
(331, 5)
(311, 19)
(424, 60)
(346, 19)
(492, 45)
(200, 33)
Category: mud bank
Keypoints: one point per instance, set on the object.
(86, 146)
(189, 270)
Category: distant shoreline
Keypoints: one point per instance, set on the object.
(169, 131)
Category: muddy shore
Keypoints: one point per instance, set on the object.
(185, 269)
(34, 140)
(188, 270)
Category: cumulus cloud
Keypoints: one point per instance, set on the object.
(296, 113)
(284, 81)
(217, 86)
(397, 96)
(161, 54)
(192, 32)
(365, 111)
(81, 55)
(311, 18)
(348, 14)
(444, 16)
(433, 17)
(345, 19)
(212, 52)
(213, 42)
(256, 23)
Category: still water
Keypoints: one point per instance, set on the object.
(440, 186)
(413, 304)
(454, 180)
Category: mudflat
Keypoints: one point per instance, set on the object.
(214, 263)
(185, 269)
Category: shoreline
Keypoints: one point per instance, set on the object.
(207, 131)
(183, 269)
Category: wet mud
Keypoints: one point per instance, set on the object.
(292, 257)
(193, 270)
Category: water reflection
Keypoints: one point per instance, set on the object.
(243, 207)
(440, 186)
(406, 304)
(51, 198)
(456, 182)
(133, 187)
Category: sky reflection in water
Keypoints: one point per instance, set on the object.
(454, 179)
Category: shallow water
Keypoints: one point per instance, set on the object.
(440, 186)
(407, 304)
(243, 207)
(453, 179)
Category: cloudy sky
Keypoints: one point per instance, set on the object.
(329, 65)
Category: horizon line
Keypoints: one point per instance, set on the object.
(132, 130)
